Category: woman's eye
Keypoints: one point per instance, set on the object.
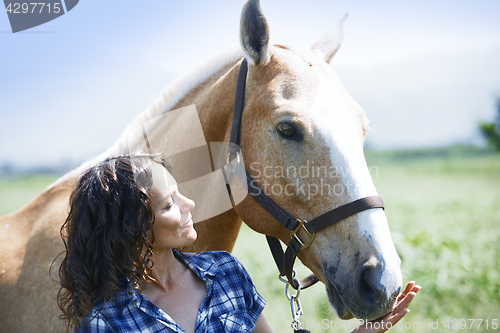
(289, 132)
(167, 208)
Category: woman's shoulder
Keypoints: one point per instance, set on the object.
(114, 312)
(221, 259)
(219, 256)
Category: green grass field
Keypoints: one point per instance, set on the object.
(443, 207)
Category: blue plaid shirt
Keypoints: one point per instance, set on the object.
(232, 303)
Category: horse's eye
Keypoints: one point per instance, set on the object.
(286, 130)
(289, 132)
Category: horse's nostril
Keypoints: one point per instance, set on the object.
(369, 290)
(369, 287)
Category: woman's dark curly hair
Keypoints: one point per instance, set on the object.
(106, 235)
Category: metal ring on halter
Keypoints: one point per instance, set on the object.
(237, 157)
(296, 296)
(280, 277)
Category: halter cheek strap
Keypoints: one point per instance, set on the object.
(286, 259)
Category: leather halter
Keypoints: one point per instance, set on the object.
(285, 260)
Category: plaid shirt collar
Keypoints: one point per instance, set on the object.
(206, 270)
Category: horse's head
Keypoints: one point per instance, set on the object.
(302, 140)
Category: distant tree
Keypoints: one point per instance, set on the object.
(491, 131)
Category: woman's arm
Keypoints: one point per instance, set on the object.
(261, 325)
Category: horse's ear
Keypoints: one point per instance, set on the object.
(254, 33)
(329, 44)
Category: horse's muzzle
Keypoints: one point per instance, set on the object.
(369, 293)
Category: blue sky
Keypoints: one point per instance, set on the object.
(425, 72)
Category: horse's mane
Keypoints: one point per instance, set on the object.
(167, 99)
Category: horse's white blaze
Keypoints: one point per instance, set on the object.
(373, 222)
(340, 129)
(331, 115)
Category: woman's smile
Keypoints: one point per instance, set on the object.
(188, 224)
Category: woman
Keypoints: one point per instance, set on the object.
(121, 271)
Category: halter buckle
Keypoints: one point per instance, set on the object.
(303, 245)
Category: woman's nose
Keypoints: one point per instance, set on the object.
(186, 204)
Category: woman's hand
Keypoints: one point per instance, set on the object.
(399, 311)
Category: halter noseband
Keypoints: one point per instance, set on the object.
(285, 260)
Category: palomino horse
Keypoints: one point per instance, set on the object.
(297, 117)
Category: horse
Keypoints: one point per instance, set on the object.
(302, 139)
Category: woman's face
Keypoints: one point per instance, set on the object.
(173, 225)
